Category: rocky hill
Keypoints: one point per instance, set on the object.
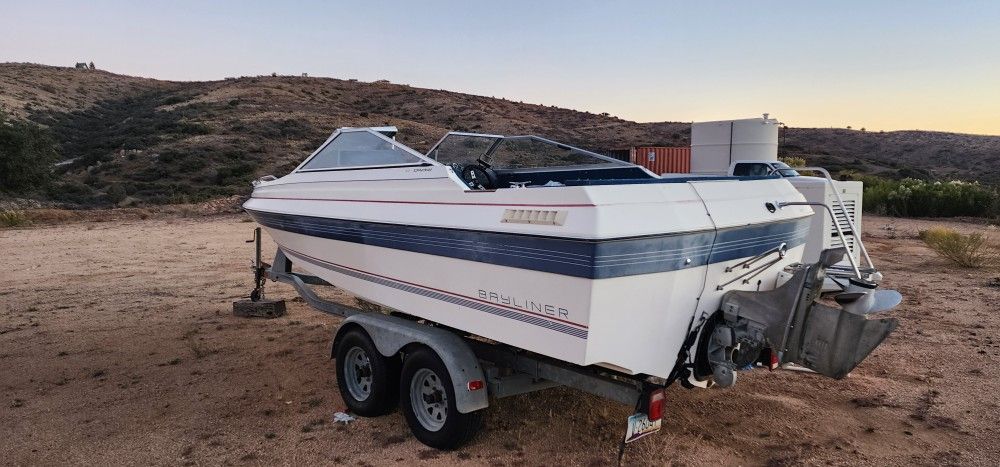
(123, 137)
(899, 154)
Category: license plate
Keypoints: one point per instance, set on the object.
(639, 425)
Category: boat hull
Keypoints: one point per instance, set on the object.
(632, 320)
(616, 277)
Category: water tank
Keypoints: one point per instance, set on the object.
(715, 145)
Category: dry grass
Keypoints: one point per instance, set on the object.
(14, 219)
(53, 216)
(793, 161)
(966, 250)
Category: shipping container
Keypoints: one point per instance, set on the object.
(661, 160)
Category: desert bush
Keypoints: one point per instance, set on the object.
(793, 161)
(71, 191)
(14, 219)
(131, 122)
(116, 193)
(26, 154)
(171, 100)
(235, 174)
(921, 198)
(284, 129)
(969, 251)
(52, 216)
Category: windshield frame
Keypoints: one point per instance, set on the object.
(497, 139)
(423, 160)
(487, 156)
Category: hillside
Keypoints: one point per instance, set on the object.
(899, 154)
(125, 138)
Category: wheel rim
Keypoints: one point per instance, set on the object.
(358, 373)
(429, 399)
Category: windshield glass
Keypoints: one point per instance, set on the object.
(785, 170)
(524, 152)
(514, 152)
(359, 149)
(457, 148)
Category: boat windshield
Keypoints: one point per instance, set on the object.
(514, 152)
(462, 148)
(352, 148)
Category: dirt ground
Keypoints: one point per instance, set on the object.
(118, 346)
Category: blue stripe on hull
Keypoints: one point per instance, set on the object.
(592, 259)
(519, 315)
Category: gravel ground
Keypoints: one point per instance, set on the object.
(118, 346)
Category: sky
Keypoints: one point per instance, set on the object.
(881, 65)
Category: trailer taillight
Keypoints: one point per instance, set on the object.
(475, 385)
(656, 405)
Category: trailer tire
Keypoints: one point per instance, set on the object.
(367, 380)
(427, 396)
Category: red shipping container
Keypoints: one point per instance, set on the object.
(661, 160)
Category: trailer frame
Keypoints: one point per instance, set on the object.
(503, 370)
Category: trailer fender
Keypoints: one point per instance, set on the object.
(391, 334)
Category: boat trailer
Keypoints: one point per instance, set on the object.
(784, 325)
(479, 369)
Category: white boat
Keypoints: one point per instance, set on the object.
(560, 251)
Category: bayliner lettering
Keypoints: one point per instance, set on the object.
(524, 304)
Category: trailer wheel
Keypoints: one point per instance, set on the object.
(428, 400)
(367, 379)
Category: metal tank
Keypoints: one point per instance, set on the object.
(716, 145)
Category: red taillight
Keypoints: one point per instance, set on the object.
(656, 405)
(774, 360)
(475, 385)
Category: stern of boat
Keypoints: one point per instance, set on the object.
(791, 325)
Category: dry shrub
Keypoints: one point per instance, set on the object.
(14, 219)
(969, 251)
(53, 216)
(793, 161)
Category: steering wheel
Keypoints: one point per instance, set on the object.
(479, 178)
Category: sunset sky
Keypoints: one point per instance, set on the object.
(881, 65)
